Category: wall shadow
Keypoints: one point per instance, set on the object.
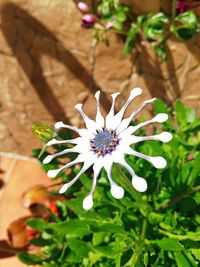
(11, 15)
(149, 68)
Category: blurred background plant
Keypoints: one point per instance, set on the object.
(158, 228)
(150, 30)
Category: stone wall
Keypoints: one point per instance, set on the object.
(48, 64)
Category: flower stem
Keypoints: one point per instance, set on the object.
(128, 185)
(144, 228)
(119, 32)
(174, 3)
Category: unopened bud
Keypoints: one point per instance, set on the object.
(88, 20)
(83, 7)
(43, 131)
(109, 25)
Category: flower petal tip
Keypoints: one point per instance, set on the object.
(150, 100)
(139, 184)
(115, 94)
(97, 94)
(117, 191)
(47, 159)
(88, 202)
(161, 117)
(52, 173)
(166, 137)
(63, 189)
(78, 106)
(135, 92)
(159, 162)
(59, 124)
(51, 142)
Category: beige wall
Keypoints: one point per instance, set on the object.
(48, 64)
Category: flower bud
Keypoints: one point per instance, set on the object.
(109, 25)
(43, 131)
(88, 20)
(83, 7)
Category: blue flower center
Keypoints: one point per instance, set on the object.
(104, 142)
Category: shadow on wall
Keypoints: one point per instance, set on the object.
(152, 73)
(167, 89)
(11, 16)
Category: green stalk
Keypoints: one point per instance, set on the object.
(174, 3)
(144, 228)
(119, 32)
(118, 257)
(128, 185)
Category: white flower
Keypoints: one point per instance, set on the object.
(106, 141)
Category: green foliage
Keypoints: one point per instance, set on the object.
(113, 11)
(150, 30)
(158, 228)
(154, 25)
(187, 25)
(131, 36)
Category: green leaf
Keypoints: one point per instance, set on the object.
(29, 259)
(190, 115)
(153, 33)
(40, 242)
(146, 259)
(161, 51)
(195, 236)
(184, 116)
(121, 15)
(79, 247)
(141, 21)
(169, 244)
(185, 33)
(188, 27)
(160, 107)
(155, 25)
(117, 25)
(188, 18)
(130, 40)
(158, 20)
(194, 126)
(182, 260)
(155, 218)
(71, 228)
(107, 250)
(111, 228)
(196, 253)
(99, 238)
(186, 172)
(195, 170)
(86, 181)
(37, 223)
(190, 258)
(180, 113)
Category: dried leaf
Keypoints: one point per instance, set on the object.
(17, 233)
(38, 194)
